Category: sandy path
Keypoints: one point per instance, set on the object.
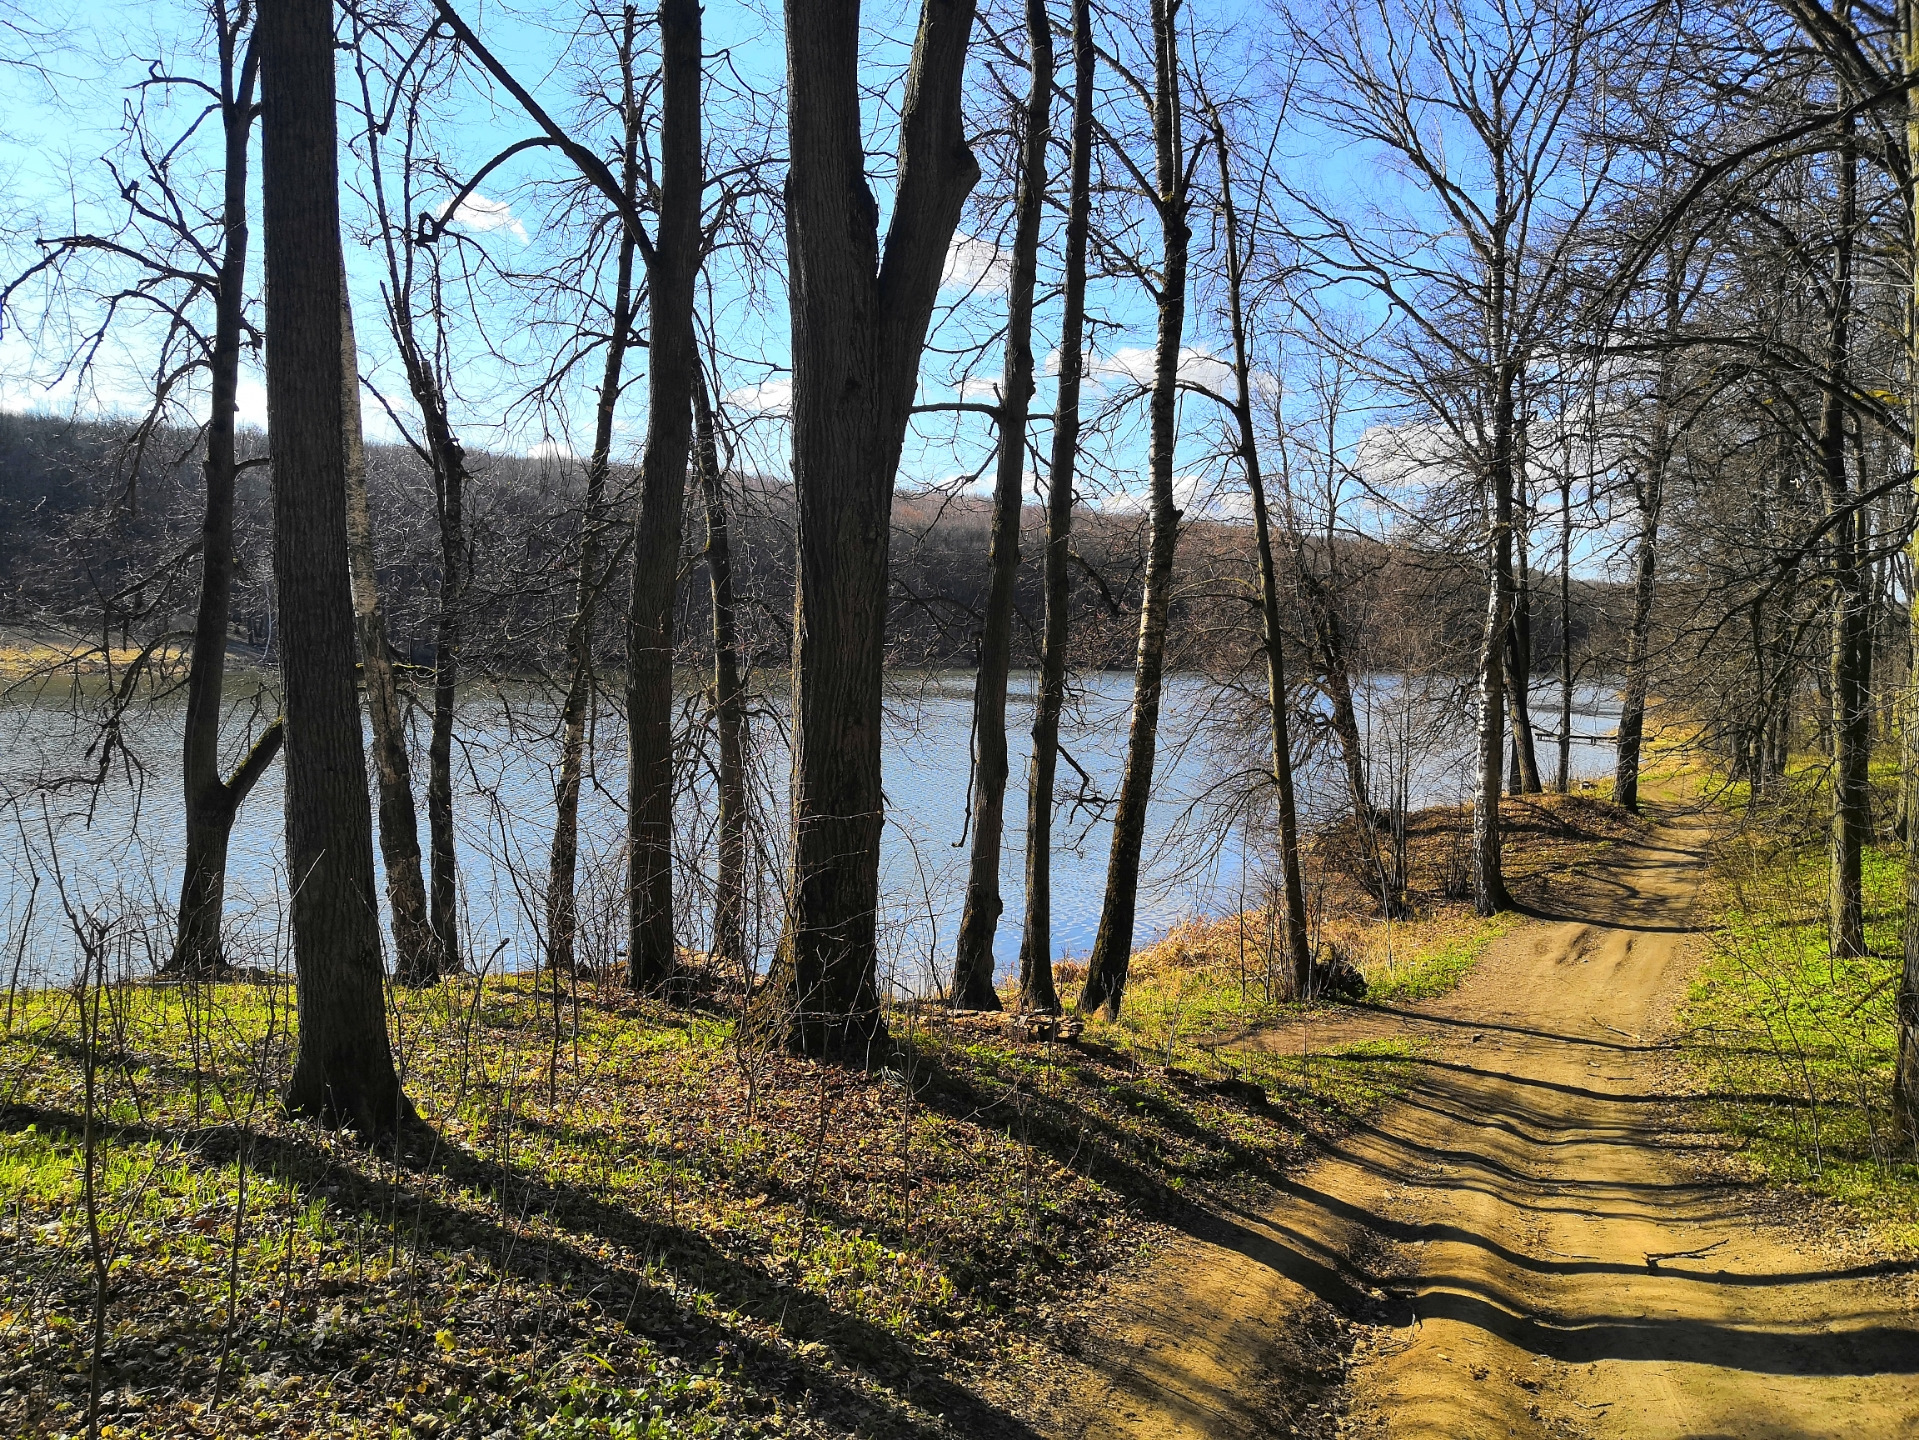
(1485, 1260)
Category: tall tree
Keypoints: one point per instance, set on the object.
(729, 690)
(672, 369)
(1647, 473)
(1036, 989)
(860, 313)
(595, 567)
(211, 800)
(672, 262)
(1905, 1089)
(343, 1067)
(1105, 986)
(1299, 955)
(1850, 637)
(418, 959)
(973, 959)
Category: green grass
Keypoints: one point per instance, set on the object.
(1796, 1047)
(1440, 967)
(630, 1223)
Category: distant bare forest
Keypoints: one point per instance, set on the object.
(97, 520)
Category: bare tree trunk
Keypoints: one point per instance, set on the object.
(1519, 669)
(343, 1068)
(417, 955)
(1650, 494)
(973, 987)
(859, 324)
(1905, 1080)
(729, 694)
(1113, 947)
(672, 362)
(1562, 780)
(1489, 880)
(1036, 989)
(1632, 707)
(1299, 955)
(1850, 796)
(210, 800)
(450, 494)
(562, 915)
(1335, 676)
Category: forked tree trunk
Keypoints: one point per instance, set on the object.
(973, 987)
(729, 693)
(672, 360)
(562, 871)
(1299, 955)
(1851, 804)
(1036, 988)
(1113, 946)
(859, 324)
(343, 1067)
(211, 800)
(417, 955)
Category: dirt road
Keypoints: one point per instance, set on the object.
(1519, 1247)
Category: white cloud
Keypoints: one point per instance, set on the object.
(482, 215)
(979, 387)
(551, 450)
(973, 264)
(769, 397)
(1133, 365)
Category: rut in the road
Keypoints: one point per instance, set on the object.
(1520, 1246)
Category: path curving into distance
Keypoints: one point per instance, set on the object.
(1522, 1245)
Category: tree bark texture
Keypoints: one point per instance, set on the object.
(860, 315)
(562, 873)
(1105, 987)
(1036, 988)
(211, 800)
(673, 359)
(973, 987)
(729, 693)
(343, 1067)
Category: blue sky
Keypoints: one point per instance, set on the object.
(52, 138)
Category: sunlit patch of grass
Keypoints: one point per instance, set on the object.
(1795, 1046)
(625, 1220)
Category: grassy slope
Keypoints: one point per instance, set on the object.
(1793, 1047)
(658, 1232)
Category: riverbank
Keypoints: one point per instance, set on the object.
(1211, 983)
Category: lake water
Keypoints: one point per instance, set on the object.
(115, 847)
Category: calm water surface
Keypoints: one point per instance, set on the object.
(116, 848)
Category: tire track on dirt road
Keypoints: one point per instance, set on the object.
(1521, 1245)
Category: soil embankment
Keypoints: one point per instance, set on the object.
(1529, 1243)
